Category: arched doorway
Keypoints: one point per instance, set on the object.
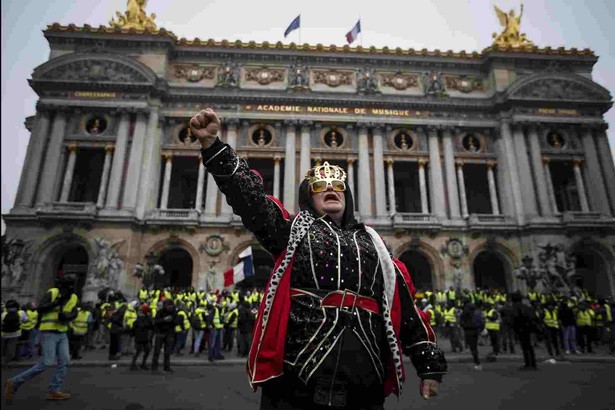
(177, 265)
(73, 262)
(490, 271)
(263, 265)
(591, 273)
(420, 269)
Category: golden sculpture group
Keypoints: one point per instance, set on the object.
(134, 17)
(511, 36)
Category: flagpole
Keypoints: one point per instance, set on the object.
(361, 32)
(300, 29)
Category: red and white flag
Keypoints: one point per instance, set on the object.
(244, 269)
(354, 33)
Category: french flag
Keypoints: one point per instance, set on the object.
(244, 269)
(354, 33)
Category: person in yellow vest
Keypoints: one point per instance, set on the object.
(128, 336)
(143, 295)
(451, 324)
(181, 330)
(585, 318)
(29, 332)
(12, 321)
(199, 324)
(533, 296)
(230, 326)
(550, 318)
(492, 324)
(216, 330)
(78, 330)
(57, 309)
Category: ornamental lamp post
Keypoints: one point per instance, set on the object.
(528, 273)
(147, 273)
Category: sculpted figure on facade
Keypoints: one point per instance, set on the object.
(134, 17)
(432, 84)
(107, 267)
(366, 81)
(559, 268)
(13, 260)
(298, 76)
(511, 36)
(229, 75)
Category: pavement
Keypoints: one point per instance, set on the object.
(99, 357)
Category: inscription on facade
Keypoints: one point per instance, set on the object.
(94, 94)
(335, 110)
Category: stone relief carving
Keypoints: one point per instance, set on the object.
(298, 76)
(456, 250)
(366, 81)
(463, 83)
(558, 267)
(228, 75)
(399, 81)
(214, 245)
(558, 89)
(14, 256)
(264, 75)
(95, 70)
(107, 266)
(332, 78)
(194, 73)
(432, 84)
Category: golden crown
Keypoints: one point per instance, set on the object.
(325, 172)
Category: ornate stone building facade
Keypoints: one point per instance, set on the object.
(473, 166)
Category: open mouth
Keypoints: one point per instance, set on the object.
(331, 197)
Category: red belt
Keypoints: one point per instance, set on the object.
(342, 299)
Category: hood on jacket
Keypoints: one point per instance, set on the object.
(306, 204)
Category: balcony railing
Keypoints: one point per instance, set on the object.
(69, 208)
(488, 218)
(581, 217)
(173, 214)
(412, 217)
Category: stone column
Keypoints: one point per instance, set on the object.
(365, 189)
(164, 200)
(231, 139)
(379, 182)
(449, 168)
(526, 185)
(119, 158)
(68, 174)
(597, 187)
(607, 165)
(580, 185)
(549, 181)
(211, 196)
(538, 170)
(508, 175)
(104, 179)
(391, 179)
(423, 187)
(435, 175)
(350, 179)
(33, 161)
(306, 147)
(147, 194)
(135, 159)
(462, 190)
(290, 177)
(198, 203)
(51, 166)
(493, 195)
(276, 176)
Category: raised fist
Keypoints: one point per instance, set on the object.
(205, 126)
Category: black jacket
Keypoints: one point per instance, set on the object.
(142, 328)
(163, 325)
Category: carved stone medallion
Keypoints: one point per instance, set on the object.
(332, 78)
(399, 81)
(463, 83)
(214, 245)
(194, 73)
(264, 75)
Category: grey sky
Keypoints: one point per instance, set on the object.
(432, 24)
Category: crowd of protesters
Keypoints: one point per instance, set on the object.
(566, 324)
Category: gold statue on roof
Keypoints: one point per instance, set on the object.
(134, 17)
(511, 36)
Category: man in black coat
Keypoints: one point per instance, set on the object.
(164, 328)
(524, 323)
(142, 330)
(245, 325)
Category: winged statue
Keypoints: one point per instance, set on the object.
(511, 36)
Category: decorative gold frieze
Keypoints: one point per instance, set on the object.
(194, 73)
(134, 17)
(332, 78)
(400, 81)
(265, 75)
(463, 83)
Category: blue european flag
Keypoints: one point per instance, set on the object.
(294, 25)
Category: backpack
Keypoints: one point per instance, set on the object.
(11, 322)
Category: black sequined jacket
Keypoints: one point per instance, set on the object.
(327, 346)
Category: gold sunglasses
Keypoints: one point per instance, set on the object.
(323, 184)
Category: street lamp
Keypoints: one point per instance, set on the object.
(528, 273)
(149, 272)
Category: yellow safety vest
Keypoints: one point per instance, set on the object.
(217, 323)
(129, 317)
(234, 315)
(143, 295)
(50, 320)
(551, 319)
(533, 296)
(491, 324)
(80, 324)
(432, 317)
(449, 316)
(16, 332)
(32, 319)
(584, 317)
(200, 313)
(184, 316)
(451, 295)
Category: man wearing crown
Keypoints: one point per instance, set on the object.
(338, 310)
